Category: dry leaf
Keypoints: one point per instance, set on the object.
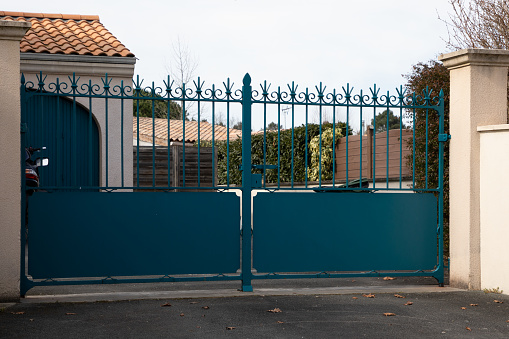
(280, 322)
(468, 328)
(389, 278)
(166, 305)
(205, 307)
(276, 310)
(181, 314)
(18, 313)
(507, 321)
(463, 308)
(355, 298)
(498, 301)
(399, 296)
(230, 328)
(70, 313)
(474, 304)
(193, 302)
(368, 295)
(409, 303)
(353, 280)
(389, 314)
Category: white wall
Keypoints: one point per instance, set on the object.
(494, 203)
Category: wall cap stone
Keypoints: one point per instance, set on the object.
(13, 30)
(475, 57)
(493, 128)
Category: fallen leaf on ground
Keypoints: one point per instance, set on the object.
(498, 301)
(166, 305)
(70, 313)
(276, 310)
(229, 328)
(18, 313)
(409, 303)
(389, 314)
(181, 314)
(389, 278)
(353, 280)
(474, 304)
(205, 307)
(193, 302)
(355, 298)
(463, 308)
(31, 319)
(468, 328)
(280, 322)
(368, 295)
(399, 296)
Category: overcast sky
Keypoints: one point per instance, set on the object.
(361, 42)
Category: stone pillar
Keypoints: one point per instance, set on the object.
(478, 97)
(11, 33)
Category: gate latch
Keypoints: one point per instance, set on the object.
(256, 180)
(444, 137)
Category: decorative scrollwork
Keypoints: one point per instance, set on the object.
(197, 91)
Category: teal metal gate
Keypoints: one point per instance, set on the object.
(306, 221)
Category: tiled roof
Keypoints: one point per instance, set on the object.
(176, 131)
(67, 34)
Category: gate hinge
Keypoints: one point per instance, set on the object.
(23, 127)
(444, 137)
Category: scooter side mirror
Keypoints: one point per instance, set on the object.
(41, 162)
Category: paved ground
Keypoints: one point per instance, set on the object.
(319, 308)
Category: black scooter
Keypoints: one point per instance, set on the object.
(32, 169)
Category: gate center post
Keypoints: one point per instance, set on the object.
(246, 184)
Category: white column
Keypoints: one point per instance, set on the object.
(478, 97)
(11, 33)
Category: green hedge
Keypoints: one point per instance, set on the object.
(257, 150)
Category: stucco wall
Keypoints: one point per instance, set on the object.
(494, 201)
(10, 176)
(93, 69)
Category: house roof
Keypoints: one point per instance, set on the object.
(177, 129)
(67, 34)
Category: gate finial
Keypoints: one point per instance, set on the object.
(247, 80)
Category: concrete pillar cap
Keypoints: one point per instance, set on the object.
(13, 30)
(475, 57)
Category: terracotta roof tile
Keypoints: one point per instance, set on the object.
(67, 34)
(176, 131)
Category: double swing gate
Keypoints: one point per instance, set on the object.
(278, 205)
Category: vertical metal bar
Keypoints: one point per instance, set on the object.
(427, 135)
(152, 102)
(334, 139)
(279, 137)
(213, 134)
(264, 141)
(168, 142)
(183, 135)
(90, 152)
(23, 210)
(306, 150)
(440, 268)
(122, 131)
(400, 144)
(199, 140)
(413, 141)
(374, 147)
(74, 139)
(347, 132)
(360, 139)
(246, 184)
(320, 149)
(138, 92)
(228, 133)
(293, 141)
(106, 92)
(387, 141)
